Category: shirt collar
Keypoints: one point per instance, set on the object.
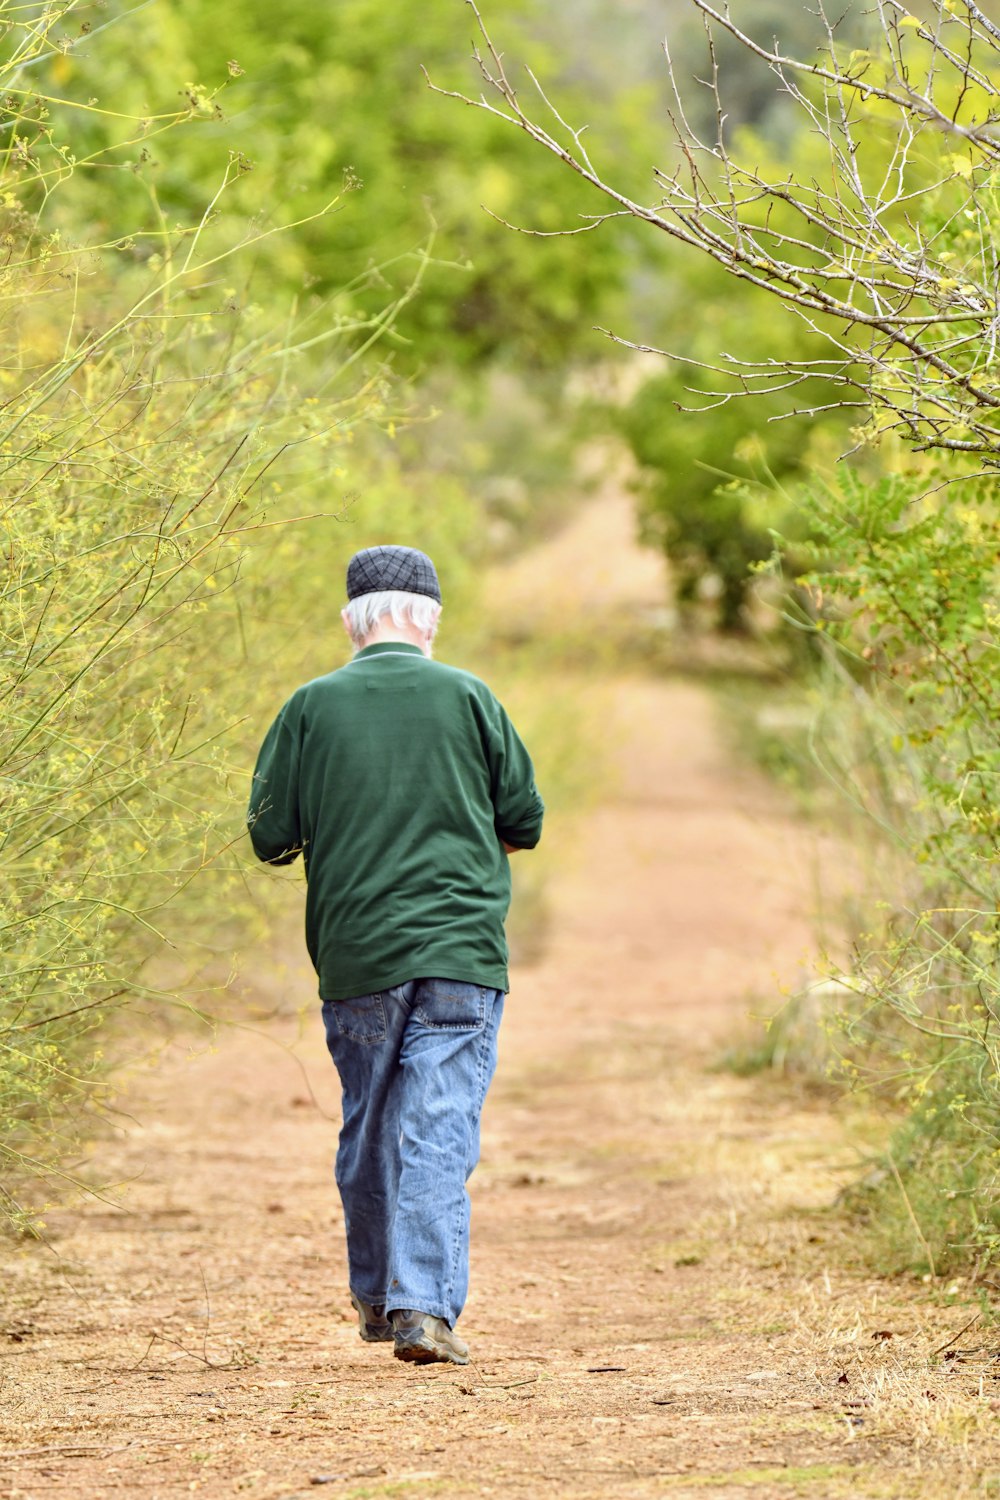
(382, 648)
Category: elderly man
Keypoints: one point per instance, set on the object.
(405, 787)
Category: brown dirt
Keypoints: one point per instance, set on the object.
(661, 1303)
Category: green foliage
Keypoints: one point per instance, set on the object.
(930, 1204)
(903, 591)
(915, 581)
(335, 96)
(696, 503)
(717, 462)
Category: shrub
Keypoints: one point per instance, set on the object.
(146, 413)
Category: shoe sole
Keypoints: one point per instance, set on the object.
(428, 1354)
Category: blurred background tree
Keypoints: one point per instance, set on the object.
(325, 99)
(321, 98)
(717, 467)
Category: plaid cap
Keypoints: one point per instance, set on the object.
(379, 569)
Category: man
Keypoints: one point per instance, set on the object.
(405, 787)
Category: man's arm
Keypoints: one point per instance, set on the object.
(518, 808)
(273, 814)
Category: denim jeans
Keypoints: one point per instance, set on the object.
(415, 1062)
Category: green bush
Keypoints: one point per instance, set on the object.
(913, 738)
(721, 449)
(143, 426)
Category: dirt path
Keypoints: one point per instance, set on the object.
(659, 1304)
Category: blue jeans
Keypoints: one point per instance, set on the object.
(415, 1062)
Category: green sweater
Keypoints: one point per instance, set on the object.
(397, 777)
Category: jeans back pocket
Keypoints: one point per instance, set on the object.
(360, 1019)
(451, 1005)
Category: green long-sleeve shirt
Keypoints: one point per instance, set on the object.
(397, 777)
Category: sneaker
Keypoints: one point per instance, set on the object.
(423, 1339)
(373, 1325)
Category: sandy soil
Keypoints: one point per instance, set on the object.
(662, 1302)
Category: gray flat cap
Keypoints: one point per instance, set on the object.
(379, 569)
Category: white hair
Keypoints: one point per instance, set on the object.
(419, 610)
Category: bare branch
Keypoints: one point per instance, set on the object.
(910, 305)
(558, 234)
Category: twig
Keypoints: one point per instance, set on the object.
(213, 1364)
(70, 1449)
(956, 1336)
(498, 1385)
(913, 1218)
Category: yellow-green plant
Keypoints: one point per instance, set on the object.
(903, 582)
(148, 411)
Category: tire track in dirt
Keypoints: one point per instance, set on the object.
(659, 1306)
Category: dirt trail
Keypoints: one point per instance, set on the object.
(659, 1305)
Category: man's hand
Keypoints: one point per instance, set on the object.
(510, 848)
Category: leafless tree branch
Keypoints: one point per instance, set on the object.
(908, 299)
